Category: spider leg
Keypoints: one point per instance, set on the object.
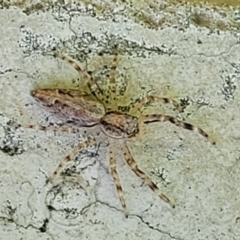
(66, 129)
(95, 90)
(72, 153)
(141, 102)
(133, 165)
(113, 73)
(112, 80)
(163, 118)
(113, 168)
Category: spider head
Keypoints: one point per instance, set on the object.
(119, 125)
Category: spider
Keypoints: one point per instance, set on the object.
(89, 109)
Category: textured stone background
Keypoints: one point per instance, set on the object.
(179, 50)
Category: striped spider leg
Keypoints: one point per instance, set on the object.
(132, 163)
(112, 82)
(93, 87)
(141, 102)
(73, 152)
(163, 118)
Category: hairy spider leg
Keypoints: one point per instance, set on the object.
(117, 182)
(141, 102)
(66, 129)
(72, 153)
(163, 118)
(133, 165)
(79, 147)
(94, 88)
(113, 76)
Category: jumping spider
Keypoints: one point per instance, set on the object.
(90, 109)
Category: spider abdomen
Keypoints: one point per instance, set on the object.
(119, 125)
(71, 105)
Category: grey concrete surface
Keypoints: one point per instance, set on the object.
(189, 53)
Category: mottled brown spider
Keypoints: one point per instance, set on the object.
(90, 109)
